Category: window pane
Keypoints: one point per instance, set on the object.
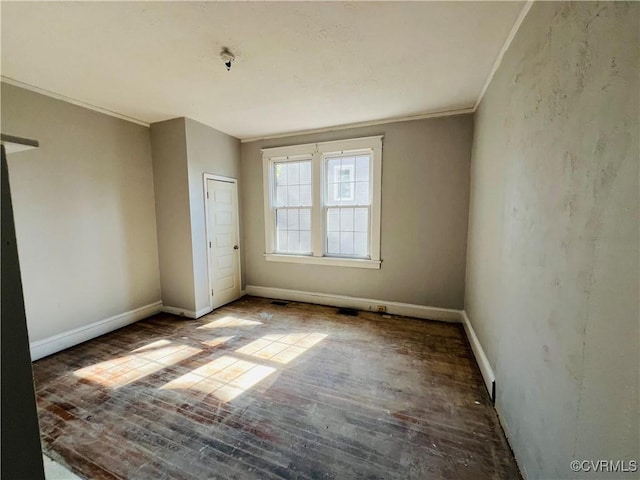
(281, 197)
(294, 173)
(333, 243)
(361, 220)
(305, 195)
(361, 244)
(293, 230)
(362, 193)
(281, 219)
(293, 222)
(346, 243)
(305, 242)
(305, 219)
(281, 241)
(333, 167)
(346, 219)
(362, 169)
(333, 220)
(293, 196)
(293, 239)
(305, 173)
(281, 173)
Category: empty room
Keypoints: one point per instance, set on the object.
(320, 240)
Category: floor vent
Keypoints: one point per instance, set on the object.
(348, 311)
(279, 303)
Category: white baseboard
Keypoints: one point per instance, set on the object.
(203, 311)
(180, 312)
(481, 357)
(61, 341)
(394, 308)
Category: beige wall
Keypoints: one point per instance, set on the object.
(425, 198)
(170, 173)
(552, 270)
(214, 152)
(84, 213)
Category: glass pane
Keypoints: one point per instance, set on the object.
(305, 173)
(333, 166)
(305, 219)
(293, 196)
(346, 243)
(362, 169)
(294, 173)
(333, 220)
(293, 239)
(346, 219)
(281, 197)
(281, 173)
(361, 220)
(293, 222)
(305, 195)
(361, 247)
(362, 193)
(333, 243)
(282, 241)
(305, 242)
(281, 219)
(333, 194)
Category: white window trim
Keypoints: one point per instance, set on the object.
(316, 151)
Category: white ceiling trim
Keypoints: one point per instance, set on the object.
(503, 50)
(421, 116)
(80, 103)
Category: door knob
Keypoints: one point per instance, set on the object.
(236, 247)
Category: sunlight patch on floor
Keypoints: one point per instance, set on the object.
(126, 369)
(225, 377)
(229, 321)
(282, 348)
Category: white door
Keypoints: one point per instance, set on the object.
(224, 248)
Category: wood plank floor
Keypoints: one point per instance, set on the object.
(262, 391)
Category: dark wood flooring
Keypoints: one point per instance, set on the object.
(261, 391)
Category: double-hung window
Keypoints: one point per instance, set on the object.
(322, 202)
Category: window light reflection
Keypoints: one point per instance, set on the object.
(282, 348)
(120, 371)
(230, 322)
(225, 377)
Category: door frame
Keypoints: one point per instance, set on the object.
(209, 234)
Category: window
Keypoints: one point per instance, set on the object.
(322, 203)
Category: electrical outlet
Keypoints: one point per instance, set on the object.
(382, 308)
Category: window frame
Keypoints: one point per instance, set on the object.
(319, 154)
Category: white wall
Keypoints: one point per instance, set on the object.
(553, 249)
(425, 199)
(84, 213)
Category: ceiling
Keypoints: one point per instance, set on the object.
(299, 65)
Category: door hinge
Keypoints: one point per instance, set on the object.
(207, 194)
(212, 292)
(209, 244)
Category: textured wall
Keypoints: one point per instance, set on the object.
(84, 213)
(552, 270)
(425, 195)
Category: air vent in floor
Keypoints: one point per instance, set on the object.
(348, 311)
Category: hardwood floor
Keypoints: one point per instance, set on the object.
(256, 390)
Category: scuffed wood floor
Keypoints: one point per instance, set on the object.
(260, 391)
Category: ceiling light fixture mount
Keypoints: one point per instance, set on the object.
(227, 57)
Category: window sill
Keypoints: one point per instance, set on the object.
(327, 261)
